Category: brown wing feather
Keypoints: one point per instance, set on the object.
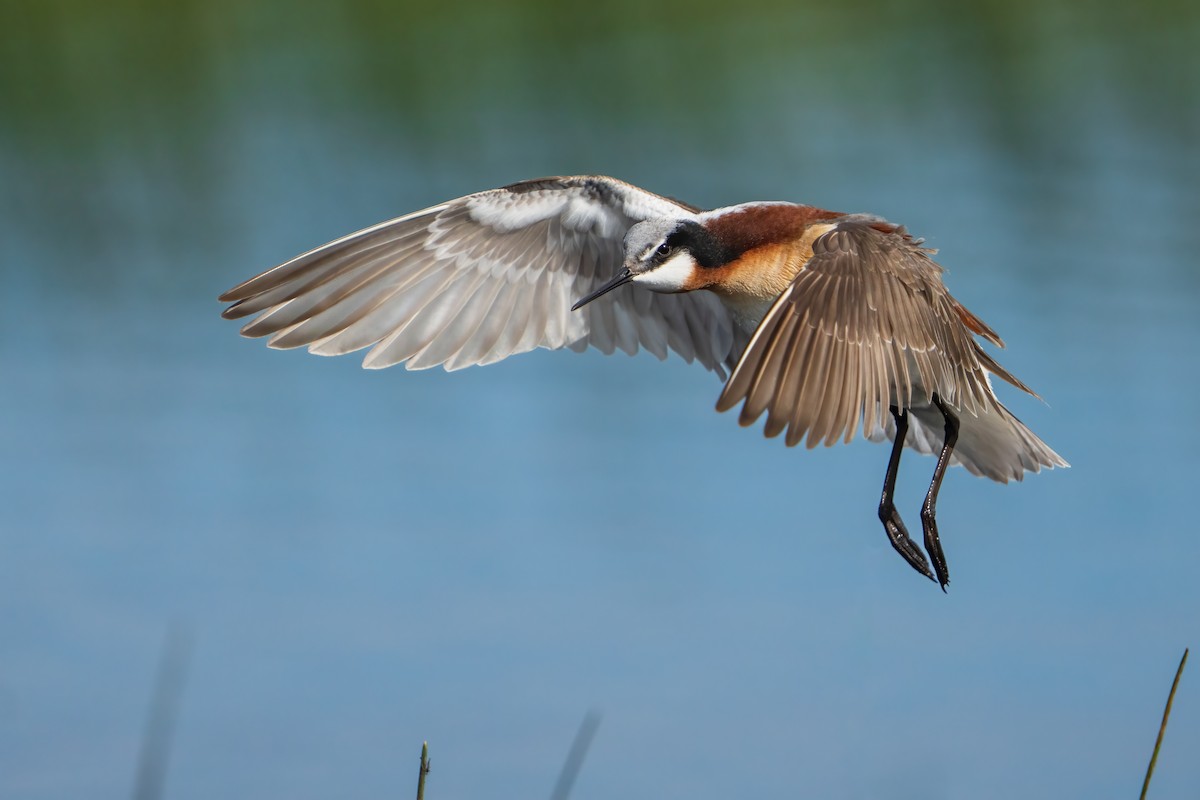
(865, 325)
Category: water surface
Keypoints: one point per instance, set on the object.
(367, 560)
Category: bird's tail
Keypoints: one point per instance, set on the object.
(993, 445)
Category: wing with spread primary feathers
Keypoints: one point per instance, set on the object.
(866, 324)
(483, 277)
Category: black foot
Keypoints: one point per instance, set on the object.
(933, 543)
(896, 532)
(898, 535)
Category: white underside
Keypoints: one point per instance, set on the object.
(992, 444)
(747, 312)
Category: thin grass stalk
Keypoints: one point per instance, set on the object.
(1162, 729)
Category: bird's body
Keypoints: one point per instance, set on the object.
(828, 322)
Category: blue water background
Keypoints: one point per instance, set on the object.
(366, 560)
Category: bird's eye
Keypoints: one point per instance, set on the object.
(663, 249)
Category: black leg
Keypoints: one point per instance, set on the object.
(896, 532)
(933, 544)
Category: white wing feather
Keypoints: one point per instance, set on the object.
(483, 277)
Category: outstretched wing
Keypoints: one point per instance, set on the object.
(483, 277)
(866, 324)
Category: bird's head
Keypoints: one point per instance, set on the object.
(667, 255)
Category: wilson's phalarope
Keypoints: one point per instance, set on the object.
(826, 321)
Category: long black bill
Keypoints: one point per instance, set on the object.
(623, 278)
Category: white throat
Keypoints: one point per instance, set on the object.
(670, 276)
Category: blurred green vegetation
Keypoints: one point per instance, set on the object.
(132, 118)
(153, 153)
(70, 69)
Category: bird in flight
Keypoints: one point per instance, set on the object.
(825, 322)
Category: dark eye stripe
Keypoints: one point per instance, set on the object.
(693, 237)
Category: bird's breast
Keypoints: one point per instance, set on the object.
(749, 285)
